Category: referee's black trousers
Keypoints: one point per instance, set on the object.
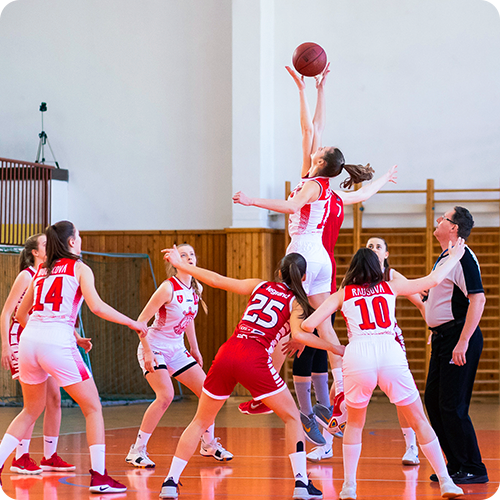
(448, 393)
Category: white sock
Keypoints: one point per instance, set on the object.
(22, 448)
(7, 446)
(433, 453)
(176, 468)
(351, 454)
(299, 466)
(208, 436)
(49, 445)
(410, 437)
(338, 380)
(142, 439)
(328, 438)
(98, 458)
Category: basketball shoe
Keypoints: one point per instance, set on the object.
(311, 429)
(56, 464)
(216, 450)
(138, 457)
(306, 491)
(170, 489)
(253, 407)
(25, 465)
(102, 483)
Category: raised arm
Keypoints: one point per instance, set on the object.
(415, 299)
(325, 310)
(403, 286)
(306, 124)
(211, 278)
(308, 194)
(368, 190)
(21, 283)
(319, 118)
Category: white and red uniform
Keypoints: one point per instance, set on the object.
(48, 345)
(15, 331)
(246, 357)
(166, 334)
(306, 231)
(397, 331)
(373, 355)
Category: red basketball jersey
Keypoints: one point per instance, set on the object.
(267, 316)
(331, 232)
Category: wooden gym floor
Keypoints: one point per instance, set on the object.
(260, 469)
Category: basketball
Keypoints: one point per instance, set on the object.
(309, 59)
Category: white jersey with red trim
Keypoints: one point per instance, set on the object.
(172, 319)
(369, 310)
(311, 218)
(15, 327)
(267, 316)
(57, 297)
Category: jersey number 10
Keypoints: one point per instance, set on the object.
(380, 311)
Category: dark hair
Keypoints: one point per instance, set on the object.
(463, 219)
(291, 270)
(335, 162)
(58, 235)
(172, 271)
(387, 266)
(26, 257)
(364, 269)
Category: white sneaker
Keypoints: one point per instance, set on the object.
(449, 489)
(138, 457)
(348, 491)
(411, 456)
(169, 489)
(216, 450)
(320, 453)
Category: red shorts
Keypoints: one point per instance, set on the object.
(243, 361)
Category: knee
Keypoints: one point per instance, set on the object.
(53, 401)
(163, 401)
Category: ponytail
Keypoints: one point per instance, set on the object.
(334, 163)
(292, 269)
(58, 235)
(26, 257)
(357, 174)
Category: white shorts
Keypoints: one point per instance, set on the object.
(319, 266)
(39, 357)
(372, 360)
(172, 355)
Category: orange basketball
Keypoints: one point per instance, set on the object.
(309, 59)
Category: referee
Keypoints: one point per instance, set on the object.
(452, 311)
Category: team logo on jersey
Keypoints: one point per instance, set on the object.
(180, 298)
(184, 322)
(196, 299)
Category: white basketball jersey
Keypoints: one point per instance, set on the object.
(58, 297)
(311, 218)
(172, 319)
(369, 310)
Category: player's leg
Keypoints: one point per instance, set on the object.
(86, 396)
(429, 443)
(284, 406)
(411, 453)
(205, 414)
(51, 461)
(161, 383)
(193, 378)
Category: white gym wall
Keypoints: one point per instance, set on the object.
(161, 109)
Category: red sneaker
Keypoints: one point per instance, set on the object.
(25, 465)
(339, 414)
(253, 407)
(55, 464)
(102, 483)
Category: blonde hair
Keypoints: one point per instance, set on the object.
(172, 271)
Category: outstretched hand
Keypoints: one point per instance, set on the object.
(242, 199)
(321, 78)
(299, 80)
(393, 174)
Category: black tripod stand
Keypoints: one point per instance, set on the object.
(44, 140)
